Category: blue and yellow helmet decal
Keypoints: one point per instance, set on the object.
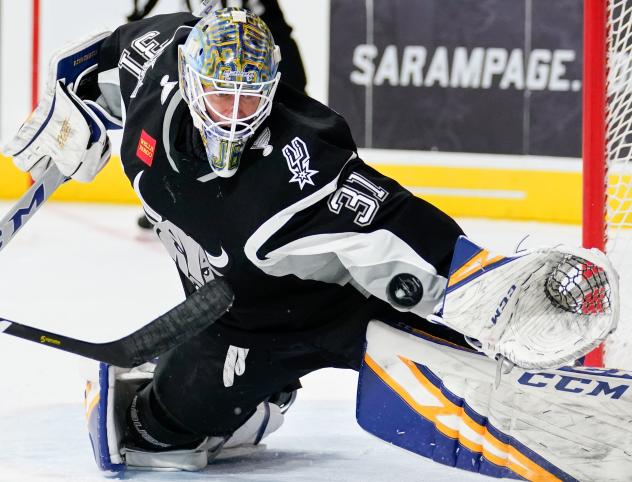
(232, 45)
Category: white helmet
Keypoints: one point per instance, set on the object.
(228, 72)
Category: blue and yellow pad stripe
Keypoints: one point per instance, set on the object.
(423, 416)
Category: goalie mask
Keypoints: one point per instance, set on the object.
(228, 76)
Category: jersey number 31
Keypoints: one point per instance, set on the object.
(365, 203)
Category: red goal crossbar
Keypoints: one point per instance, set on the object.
(35, 54)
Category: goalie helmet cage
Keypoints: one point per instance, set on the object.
(607, 152)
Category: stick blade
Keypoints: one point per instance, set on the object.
(193, 315)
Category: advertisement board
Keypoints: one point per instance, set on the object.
(492, 76)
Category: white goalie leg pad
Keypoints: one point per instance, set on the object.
(441, 401)
(539, 309)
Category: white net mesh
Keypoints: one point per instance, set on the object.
(618, 351)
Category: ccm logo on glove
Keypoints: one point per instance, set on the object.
(503, 304)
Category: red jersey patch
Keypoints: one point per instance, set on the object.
(146, 148)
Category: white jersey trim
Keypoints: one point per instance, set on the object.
(166, 126)
(366, 260)
(110, 87)
(153, 215)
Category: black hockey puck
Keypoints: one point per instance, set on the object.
(144, 223)
(405, 290)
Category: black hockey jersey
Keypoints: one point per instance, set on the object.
(305, 232)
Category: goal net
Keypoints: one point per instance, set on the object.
(607, 152)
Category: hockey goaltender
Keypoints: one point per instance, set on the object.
(331, 263)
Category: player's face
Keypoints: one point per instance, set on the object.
(220, 105)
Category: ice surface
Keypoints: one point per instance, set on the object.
(320, 441)
(88, 269)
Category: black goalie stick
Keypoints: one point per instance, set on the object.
(197, 312)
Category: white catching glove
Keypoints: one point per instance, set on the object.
(63, 128)
(542, 309)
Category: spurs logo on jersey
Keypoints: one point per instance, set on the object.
(193, 261)
(360, 196)
(297, 158)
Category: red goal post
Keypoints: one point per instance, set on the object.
(607, 152)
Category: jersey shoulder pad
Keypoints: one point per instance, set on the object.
(307, 114)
